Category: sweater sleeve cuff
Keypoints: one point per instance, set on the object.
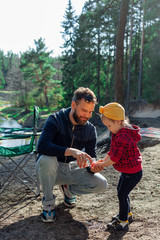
(112, 157)
(89, 170)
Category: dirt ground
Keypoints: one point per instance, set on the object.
(20, 209)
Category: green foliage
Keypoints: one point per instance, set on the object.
(86, 64)
(151, 64)
(38, 70)
(2, 80)
(12, 112)
(92, 59)
(88, 58)
(68, 60)
(3, 69)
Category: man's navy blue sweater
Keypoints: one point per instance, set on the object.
(59, 134)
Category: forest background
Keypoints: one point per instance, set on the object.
(112, 47)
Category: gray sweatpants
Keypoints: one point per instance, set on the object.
(51, 173)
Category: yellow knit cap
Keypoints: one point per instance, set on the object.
(113, 111)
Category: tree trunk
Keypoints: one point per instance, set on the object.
(98, 68)
(45, 96)
(119, 52)
(129, 67)
(141, 59)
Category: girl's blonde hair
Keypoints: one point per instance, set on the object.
(124, 123)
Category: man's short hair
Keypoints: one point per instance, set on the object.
(85, 93)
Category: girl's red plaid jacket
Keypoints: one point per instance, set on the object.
(124, 151)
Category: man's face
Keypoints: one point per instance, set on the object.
(82, 112)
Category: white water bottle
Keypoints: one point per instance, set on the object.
(74, 166)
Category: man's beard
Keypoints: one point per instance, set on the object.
(77, 119)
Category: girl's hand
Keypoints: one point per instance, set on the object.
(98, 166)
(101, 163)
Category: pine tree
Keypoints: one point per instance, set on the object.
(67, 59)
(37, 68)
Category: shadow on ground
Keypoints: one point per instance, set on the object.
(65, 227)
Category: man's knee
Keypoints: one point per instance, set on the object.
(47, 164)
(102, 184)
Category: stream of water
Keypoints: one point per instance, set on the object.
(11, 142)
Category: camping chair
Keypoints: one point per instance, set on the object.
(14, 160)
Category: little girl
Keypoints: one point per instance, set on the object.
(125, 156)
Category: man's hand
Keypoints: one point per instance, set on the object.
(81, 157)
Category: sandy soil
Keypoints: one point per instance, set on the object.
(20, 209)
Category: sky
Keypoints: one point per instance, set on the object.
(22, 21)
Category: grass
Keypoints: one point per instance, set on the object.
(4, 102)
(8, 110)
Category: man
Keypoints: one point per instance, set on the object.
(64, 137)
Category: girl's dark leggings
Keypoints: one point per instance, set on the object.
(126, 183)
